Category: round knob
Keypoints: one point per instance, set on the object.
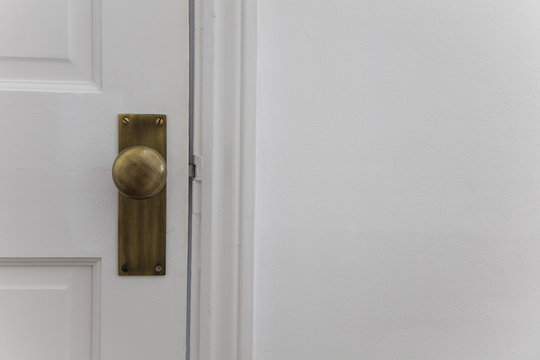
(139, 172)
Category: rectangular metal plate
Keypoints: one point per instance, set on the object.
(141, 223)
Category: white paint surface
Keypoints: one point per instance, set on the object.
(48, 309)
(398, 180)
(42, 29)
(59, 200)
(50, 45)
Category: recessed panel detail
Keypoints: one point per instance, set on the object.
(47, 309)
(34, 29)
(50, 45)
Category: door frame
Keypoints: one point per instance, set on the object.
(224, 136)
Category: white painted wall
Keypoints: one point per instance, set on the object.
(398, 180)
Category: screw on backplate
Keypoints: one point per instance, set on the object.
(158, 268)
(159, 121)
(125, 120)
(125, 268)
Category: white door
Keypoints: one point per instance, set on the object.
(67, 69)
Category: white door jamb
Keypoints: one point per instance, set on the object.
(225, 84)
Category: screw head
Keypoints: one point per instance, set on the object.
(159, 121)
(158, 268)
(125, 120)
(125, 268)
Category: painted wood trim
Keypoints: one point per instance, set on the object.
(225, 112)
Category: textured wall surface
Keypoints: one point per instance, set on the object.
(398, 180)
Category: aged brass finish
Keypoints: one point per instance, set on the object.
(139, 173)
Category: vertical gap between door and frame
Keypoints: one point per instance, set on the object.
(190, 180)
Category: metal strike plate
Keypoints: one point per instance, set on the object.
(141, 223)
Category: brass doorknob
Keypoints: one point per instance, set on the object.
(139, 172)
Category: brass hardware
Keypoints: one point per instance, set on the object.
(139, 172)
(159, 121)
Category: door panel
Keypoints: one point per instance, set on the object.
(66, 72)
(51, 302)
(50, 45)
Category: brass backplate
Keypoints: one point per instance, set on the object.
(141, 223)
